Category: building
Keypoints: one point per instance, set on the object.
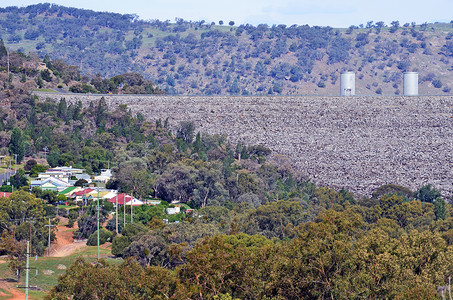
(50, 183)
(5, 195)
(173, 210)
(81, 194)
(106, 175)
(123, 199)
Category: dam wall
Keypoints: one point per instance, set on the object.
(358, 143)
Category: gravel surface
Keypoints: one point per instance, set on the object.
(358, 143)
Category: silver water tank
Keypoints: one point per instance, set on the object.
(410, 84)
(347, 84)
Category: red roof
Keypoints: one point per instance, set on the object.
(5, 194)
(83, 192)
(121, 199)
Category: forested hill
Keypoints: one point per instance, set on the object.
(189, 57)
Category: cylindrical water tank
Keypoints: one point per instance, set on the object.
(347, 84)
(410, 84)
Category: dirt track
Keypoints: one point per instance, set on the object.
(65, 245)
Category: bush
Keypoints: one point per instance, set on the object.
(119, 244)
(104, 236)
(72, 217)
(30, 163)
(437, 83)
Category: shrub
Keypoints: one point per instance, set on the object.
(104, 236)
(119, 244)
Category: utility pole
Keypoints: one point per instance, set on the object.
(116, 212)
(132, 212)
(27, 270)
(48, 243)
(98, 220)
(15, 163)
(124, 207)
(29, 222)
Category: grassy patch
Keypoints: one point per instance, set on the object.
(49, 268)
(45, 90)
(6, 295)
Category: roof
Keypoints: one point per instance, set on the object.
(67, 190)
(83, 192)
(5, 194)
(125, 198)
(52, 180)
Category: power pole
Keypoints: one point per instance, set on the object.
(15, 163)
(124, 207)
(116, 212)
(29, 222)
(27, 270)
(98, 208)
(48, 243)
(132, 212)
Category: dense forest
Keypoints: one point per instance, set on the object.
(187, 57)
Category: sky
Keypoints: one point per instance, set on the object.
(334, 13)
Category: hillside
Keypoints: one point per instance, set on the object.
(198, 58)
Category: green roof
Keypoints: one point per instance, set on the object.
(67, 190)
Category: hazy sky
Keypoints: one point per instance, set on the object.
(335, 13)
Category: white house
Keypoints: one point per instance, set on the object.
(50, 183)
(106, 175)
(173, 210)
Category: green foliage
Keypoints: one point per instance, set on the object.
(119, 244)
(16, 144)
(16, 212)
(19, 180)
(440, 209)
(36, 169)
(104, 236)
(30, 164)
(427, 194)
(3, 50)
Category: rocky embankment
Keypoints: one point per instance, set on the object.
(358, 143)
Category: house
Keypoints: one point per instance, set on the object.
(63, 173)
(106, 175)
(122, 199)
(81, 194)
(108, 194)
(5, 195)
(80, 176)
(68, 191)
(101, 194)
(153, 202)
(173, 210)
(51, 183)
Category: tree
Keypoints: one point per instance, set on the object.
(3, 50)
(231, 23)
(395, 26)
(220, 22)
(439, 209)
(29, 165)
(427, 193)
(186, 131)
(17, 145)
